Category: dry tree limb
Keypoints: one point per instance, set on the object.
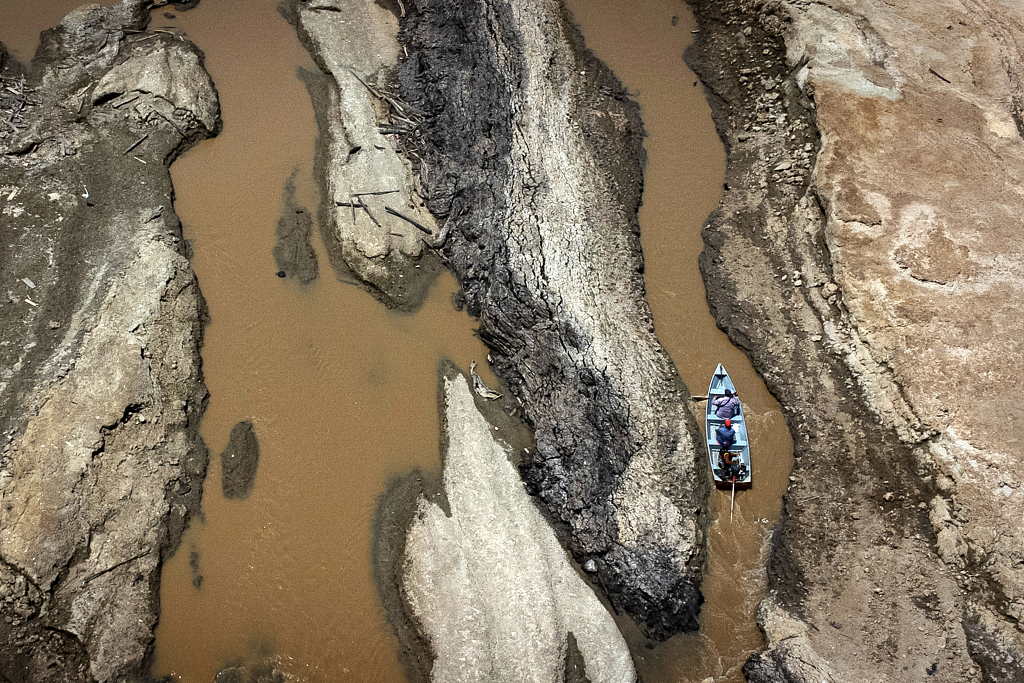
(412, 222)
(135, 144)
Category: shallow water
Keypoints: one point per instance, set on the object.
(341, 391)
(21, 22)
(682, 185)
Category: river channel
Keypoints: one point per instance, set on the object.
(643, 42)
(342, 392)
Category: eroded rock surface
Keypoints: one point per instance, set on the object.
(377, 222)
(101, 388)
(485, 581)
(868, 258)
(531, 156)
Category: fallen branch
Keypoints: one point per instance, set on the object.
(135, 144)
(367, 210)
(112, 568)
(412, 222)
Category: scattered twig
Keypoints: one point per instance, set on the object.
(935, 73)
(367, 210)
(121, 104)
(412, 222)
(368, 194)
(113, 567)
(161, 115)
(135, 144)
(366, 85)
(401, 6)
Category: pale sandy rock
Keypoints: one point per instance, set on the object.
(355, 40)
(489, 584)
(924, 195)
(173, 73)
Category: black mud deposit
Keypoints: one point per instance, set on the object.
(584, 443)
(239, 462)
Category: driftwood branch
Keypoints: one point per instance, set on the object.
(367, 210)
(135, 144)
(408, 220)
(113, 567)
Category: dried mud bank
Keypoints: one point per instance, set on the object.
(867, 256)
(483, 581)
(101, 389)
(530, 155)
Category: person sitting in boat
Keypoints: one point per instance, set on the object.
(727, 406)
(726, 437)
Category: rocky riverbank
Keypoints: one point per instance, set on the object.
(101, 391)
(866, 255)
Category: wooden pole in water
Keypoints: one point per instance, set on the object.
(732, 503)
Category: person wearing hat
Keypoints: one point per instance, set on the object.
(726, 437)
(727, 406)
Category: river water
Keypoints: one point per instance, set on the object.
(342, 392)
(643, 42)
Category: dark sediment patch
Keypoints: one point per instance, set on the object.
(239, 462)
(294, 252)
(575, 665)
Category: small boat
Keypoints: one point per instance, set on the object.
(720, 381)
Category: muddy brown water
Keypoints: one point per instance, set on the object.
(343, 393)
